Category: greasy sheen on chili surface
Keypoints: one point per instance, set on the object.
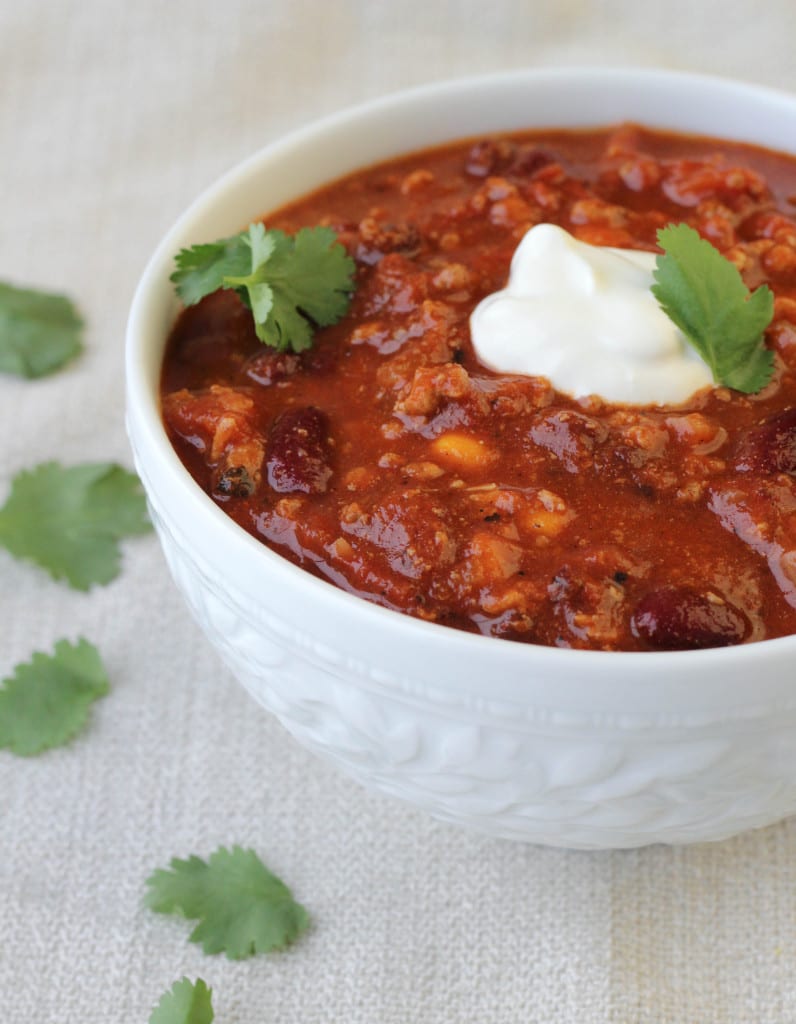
(389, 461)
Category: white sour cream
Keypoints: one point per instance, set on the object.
(584, 317)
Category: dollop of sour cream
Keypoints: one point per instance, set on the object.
(584, 317)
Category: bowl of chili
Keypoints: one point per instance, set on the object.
(547, 617)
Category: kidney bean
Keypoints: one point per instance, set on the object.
(488, 156)
(681, 618)
(528, 161)
(769, 447)
(498, 156)
(298, 456)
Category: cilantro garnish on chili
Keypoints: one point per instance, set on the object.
(291, 284)
(703, 293)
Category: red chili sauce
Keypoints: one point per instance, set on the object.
(389, 461)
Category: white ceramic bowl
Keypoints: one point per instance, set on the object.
(567, 748)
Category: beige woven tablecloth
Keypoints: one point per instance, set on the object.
(113, 116)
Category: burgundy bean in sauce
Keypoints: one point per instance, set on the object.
(390, 462)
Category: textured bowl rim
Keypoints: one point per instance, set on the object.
(143, 358)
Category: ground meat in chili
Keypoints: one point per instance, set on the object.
(390, 462)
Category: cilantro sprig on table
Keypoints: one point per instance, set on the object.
(39, 331)
(69, 520)
(242, 908)
(186, 1002)
(48, 699)
(291, 283)
(703, 293)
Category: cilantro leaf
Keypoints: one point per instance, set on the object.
(47, 700)
(241, 907)
(291, 284)
(704, 295)
(39, 331)
(184, 1003)
(69, 520)
(202, 268)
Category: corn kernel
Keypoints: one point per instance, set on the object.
(462, 450)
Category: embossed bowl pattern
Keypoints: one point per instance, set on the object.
(567, 748)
